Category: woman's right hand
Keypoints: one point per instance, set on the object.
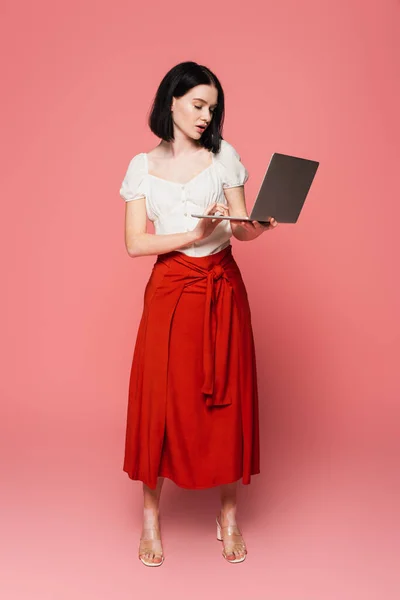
(205, 227)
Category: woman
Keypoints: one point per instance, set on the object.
(193, 407)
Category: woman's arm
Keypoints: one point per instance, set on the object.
(140, 243)
(243, 231)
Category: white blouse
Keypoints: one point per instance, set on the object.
(169, 204)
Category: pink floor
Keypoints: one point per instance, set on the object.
(71, 519)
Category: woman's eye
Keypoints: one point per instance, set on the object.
(211, 110)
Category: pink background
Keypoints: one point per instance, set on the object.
(310, 78)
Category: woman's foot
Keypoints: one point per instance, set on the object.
(150, 547)
(229, 533)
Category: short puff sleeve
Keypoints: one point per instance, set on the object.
(232, 170)
(134, 185)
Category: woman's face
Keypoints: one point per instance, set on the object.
(192, 113)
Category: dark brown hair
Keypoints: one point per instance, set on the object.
(175, 84)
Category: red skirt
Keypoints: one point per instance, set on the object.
(193, 404)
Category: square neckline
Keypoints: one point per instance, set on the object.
(177, 182)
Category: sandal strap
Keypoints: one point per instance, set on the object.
(230, 530)
(234, 540)
(234, 543)
(150, 547)
(151, 533)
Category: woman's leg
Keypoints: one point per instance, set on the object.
(151, 503)
(228, 517)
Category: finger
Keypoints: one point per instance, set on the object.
(218, 209)
(270, 225)
(267, 224)
(222, 209)
(248, 225)
(210, 208)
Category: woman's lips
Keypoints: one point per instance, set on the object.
(200, 128)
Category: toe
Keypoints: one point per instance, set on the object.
(156, 559)
(239, 552)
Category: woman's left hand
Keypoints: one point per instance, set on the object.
(257, 228)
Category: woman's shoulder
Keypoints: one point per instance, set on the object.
(226, 151)
(157, 152)
(137, 163)
(232, 171)
(134, 182)
(227, 146)
(138, 158)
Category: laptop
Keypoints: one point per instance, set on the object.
(283, 190)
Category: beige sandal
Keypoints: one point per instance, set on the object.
(150, 543)
(232, 540)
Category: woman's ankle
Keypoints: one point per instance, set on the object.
(228, 514)
(151, 515)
